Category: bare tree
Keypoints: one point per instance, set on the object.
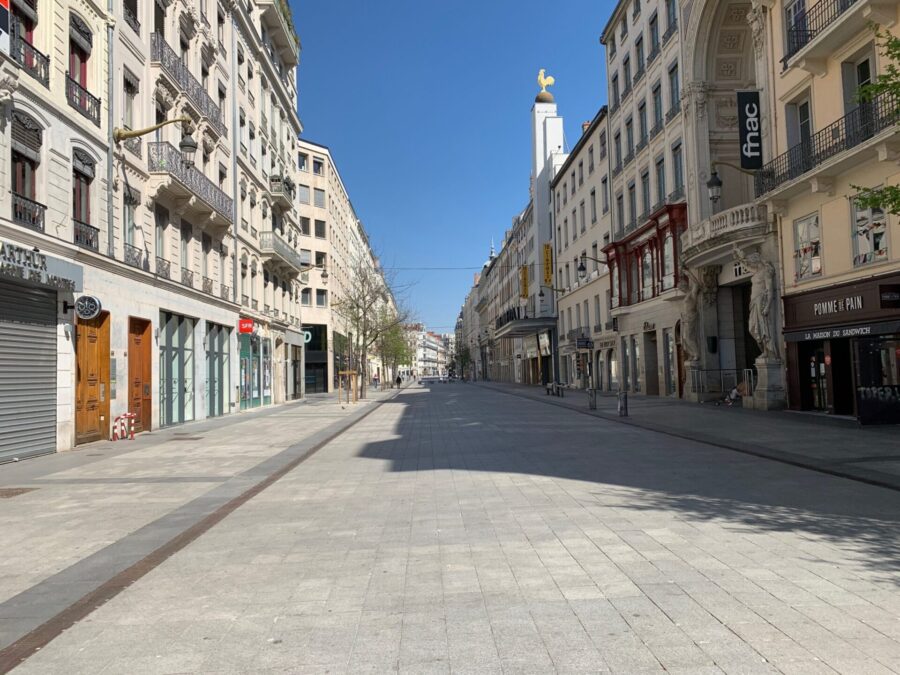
(370, 309)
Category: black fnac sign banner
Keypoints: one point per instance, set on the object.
(750, 128)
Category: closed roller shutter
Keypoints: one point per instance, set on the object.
(27, 371)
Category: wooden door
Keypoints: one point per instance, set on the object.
(139, 373)
(92, 379)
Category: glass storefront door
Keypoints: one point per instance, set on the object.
(669, 361)
(176, 369)
(217, 368)
(256, 371)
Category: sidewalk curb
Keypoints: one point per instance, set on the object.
(874, 478)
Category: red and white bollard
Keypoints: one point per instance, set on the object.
(123, 427)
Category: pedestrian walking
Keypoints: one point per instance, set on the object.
(399, 381)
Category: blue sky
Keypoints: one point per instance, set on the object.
(426, 107)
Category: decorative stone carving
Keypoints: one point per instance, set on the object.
(164, 95)
(726, 114)
(756, 18)
(8, 85)
(762, 301)
(690, 317)
(693, 99)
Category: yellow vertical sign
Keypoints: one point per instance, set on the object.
(523, 281)
(548, 264)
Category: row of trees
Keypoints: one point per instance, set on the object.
(375, 320)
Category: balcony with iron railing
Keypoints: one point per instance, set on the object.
(626, 91)
(617, 169)
(274, 248)
(135, 257)
(183, 79)
(656, 128)
(32, 61)
(281, 190)
(245, 300)
(134, 145)
(187, 277)
(815, 31)
(208, 286)
(225, 292)
(131, 18)
(82, 100)
(676, 195)
(670, 31)
(165, 158)
(835, 145)
(639, 74)
(163, 268)
(28, 212)
(672, 113)
(641, 144)
(654, 52)
(86, 236)
(628, 157)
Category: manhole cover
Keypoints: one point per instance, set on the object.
(8, 493)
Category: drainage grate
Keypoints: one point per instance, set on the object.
(8, 493)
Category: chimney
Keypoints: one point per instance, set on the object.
(584, 127)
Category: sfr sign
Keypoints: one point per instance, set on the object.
(245, 325)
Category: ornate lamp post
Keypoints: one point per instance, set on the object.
(187, 146)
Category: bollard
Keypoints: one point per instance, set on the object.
(592, 399)
(623, 404)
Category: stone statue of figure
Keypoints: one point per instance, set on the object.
(762, 297)
(690, 315)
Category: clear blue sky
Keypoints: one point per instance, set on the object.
(426, 106)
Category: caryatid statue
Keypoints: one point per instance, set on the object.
(762, 299)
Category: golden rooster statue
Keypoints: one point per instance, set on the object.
(545, 81)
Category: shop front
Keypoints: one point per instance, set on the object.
(218, 369)
(843, 350)
(256, 367)
(293, 365)
(316, 359)
(176, 369)
(33, 287)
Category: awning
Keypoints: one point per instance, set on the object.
(524, 327)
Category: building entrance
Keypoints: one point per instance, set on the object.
(140, 374)
(92, 381)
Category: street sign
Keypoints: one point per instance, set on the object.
(245, 325)
(584, 343)
(548, 264)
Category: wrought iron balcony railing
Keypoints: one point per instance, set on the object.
(245, 300)
(670, 31)
(86, 235)
(28, 212)
(187, 277)
(164, 157)
(639, 74)
(657, 128)
(641, 144)
(131, 19)
(806, 25)
(628, 158)
(617, 169)
(672, 113)
(163, 268)
(853, 129)
(225, 292)
(654, 52)
(626, 92)
(135, 257)
(272, 243)
(208, 285)
(32, 61)
(82, 100)
(162, 53)
(676, 195)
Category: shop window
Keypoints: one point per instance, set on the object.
(869, 233)
(82, 177)
(647, 275)
(807, 247)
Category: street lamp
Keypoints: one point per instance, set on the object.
(187, 146)
(555, 290)
(582, 268)
(714, 184)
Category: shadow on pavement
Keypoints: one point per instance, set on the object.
(467, 428)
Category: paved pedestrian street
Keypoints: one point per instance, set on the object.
(453, 528)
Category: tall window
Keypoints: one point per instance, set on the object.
(583, 219)
(604, 184)
(654, 32)
(306, 296)
(678, 166)
(657, 105)
(617, 148)
(304, 226)
(82, 177)
(647, 274)
(674, 87)
(869, 229)
(131, 92)
(615, 89)
(620, 210)
(591, 159)
(645, 192)
(642, 121)
(660, 179)
(626, 73)
(27, 138)
(602, 143)
(671, 14)
(632, 203)
(187, 232)
(668, 262)
(129, 206)
(594, 205)
(581, 173)
(80, 44)
(807, 247)
(319, 196)
(629, 135)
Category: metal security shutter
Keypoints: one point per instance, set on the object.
(27, 371)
